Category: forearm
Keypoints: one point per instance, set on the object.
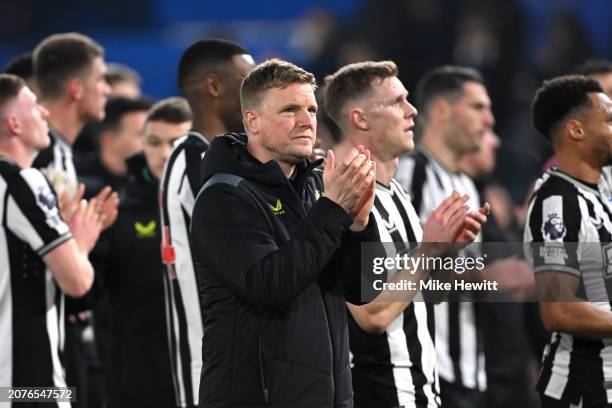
(578, 318)
(391, 302)
(263, 269)
(71, 268)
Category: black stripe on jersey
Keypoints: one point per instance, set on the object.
(454, 339)
(398, 242)
(547, 364)
(415, 350)
(586, 363)
(32, 362)
(184, 338)
(409, 232)
(418, 179)
(374, 384)
(165, 182)
(168, 288)
(192, 148)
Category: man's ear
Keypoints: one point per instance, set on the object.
(439, 110)
(251, 121)
(12, 124)
(75, 89)
(212, 85)
(105, 138)
(574, 129)
(358, 119)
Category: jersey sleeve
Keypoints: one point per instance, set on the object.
(32, 213)
(553, 228)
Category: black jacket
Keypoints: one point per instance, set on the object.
(127, 260)
(272, 277)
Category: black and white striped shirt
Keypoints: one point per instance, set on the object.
(564, 209)
(31, 227)
(57, 164)
(179, 186)
(398, 367)
(459, 345)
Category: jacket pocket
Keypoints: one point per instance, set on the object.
(262, 371)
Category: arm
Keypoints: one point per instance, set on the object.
(442, 226)
(562, 311)
(577, 318)
(231, 238)
(71, 268)
(63, 247)
(376, 316)
(257, 267)
(69, 262)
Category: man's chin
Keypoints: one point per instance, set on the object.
(298, 157)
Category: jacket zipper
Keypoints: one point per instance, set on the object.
(261, 372)
(331, 348)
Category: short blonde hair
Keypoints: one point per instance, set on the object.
(273, 73)
(353, 81)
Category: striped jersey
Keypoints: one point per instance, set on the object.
(459, 345)
(57, 164)
(179, 186)
(31, 227)
(398, 367)
(566, 210)
(605, 185)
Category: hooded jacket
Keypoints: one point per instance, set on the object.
(275, 261)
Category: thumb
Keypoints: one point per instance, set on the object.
(486, 208)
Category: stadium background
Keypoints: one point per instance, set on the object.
(515, 43)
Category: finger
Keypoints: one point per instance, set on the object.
(111, 202)
(472, 225)
(101, 221)
(358, 162)
(80, 193)
(93, 209)
(79, 211)
(367, 154)
(485, 209)
(103, 194)
(360, 149)
(346, 163)
(447, 202)
(468, 236)
(458, 217)
(362, 172)
(453, 207)
(478, 217)
(329, 162)
(64, 199)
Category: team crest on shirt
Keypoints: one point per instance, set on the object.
(553, 227)
(48, 204)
